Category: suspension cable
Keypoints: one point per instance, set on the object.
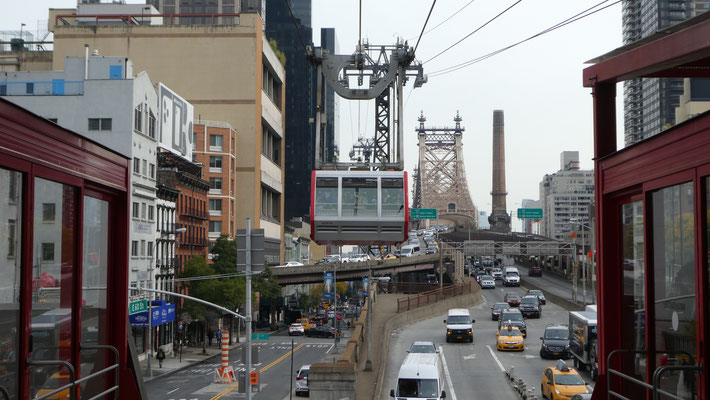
(423, 27)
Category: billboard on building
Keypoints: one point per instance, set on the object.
(175, 123)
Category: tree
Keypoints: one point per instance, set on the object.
(269, 288)
(224, 255)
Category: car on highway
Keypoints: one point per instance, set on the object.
(388, 256)
(555, 342)
(487, 282)
(513, 299)
(432, 248)
(302, 380)
(292, 264)
(55, 381)
(581, 396)
(535, 270)
(324, 331)
(480, 273)
(530, 307)
(305, 322)
(496, 310)
(561, 382)
(510, 338)
(538, 293)
(513, 316)
(296, 329)
(497, 273)
(423, 347)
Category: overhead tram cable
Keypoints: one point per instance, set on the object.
(476, 30)
(567, 21)
(446, 20)
(424, 27)
(298, 30)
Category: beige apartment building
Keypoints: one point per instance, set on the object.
(227, 72)
(214, 146)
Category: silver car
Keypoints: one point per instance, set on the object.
(302, 380)
(487, 282)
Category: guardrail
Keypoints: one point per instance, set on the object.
(405, 287)
(432, 296)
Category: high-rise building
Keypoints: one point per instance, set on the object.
(299, 101)
(329, 41)
(228, 72)
(650, 103)
(565, 197)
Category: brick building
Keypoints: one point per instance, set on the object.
(213, 146)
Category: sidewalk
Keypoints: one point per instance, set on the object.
(191, 355)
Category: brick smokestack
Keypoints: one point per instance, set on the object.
(499, 218)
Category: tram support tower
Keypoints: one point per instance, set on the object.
(442, 176)
(373, 72)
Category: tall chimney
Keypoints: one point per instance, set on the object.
(499, 218)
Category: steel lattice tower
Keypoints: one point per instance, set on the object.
(442, 176)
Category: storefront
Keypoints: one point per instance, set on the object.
(63, 261)
(653, 211)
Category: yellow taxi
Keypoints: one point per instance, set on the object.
(388, 256)
(510, 338)
(561, 382)
(57, 380)
(305, 322)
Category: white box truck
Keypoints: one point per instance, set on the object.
(583, 340)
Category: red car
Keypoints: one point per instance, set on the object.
(512, 299)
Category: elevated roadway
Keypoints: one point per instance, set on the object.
(353, 271)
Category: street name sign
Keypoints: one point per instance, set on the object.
(259, 336)
(530, 213)
(422, 213)
(137, 307)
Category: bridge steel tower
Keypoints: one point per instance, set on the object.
(442, 177)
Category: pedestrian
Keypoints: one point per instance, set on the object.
(160, 355)
(210, 336)
(219, 337)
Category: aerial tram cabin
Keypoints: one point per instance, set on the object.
(359, 207)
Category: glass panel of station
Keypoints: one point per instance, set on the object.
(93, 304)
(326, 197)
(674, 276)
(10, 257)
(359, 197)
(633, 315)
(53, 268)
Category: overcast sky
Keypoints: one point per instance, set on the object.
(538, 84)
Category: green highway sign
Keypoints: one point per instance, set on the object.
(137, 307)
(422, 213)
(530, 213)
(259, 336)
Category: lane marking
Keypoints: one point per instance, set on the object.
(174, 390)
(496, 358)
(446, 373)
(262, 370)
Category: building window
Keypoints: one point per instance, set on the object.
(270, 144)
(150, 249)
(270, 204)
(216, 185)
(194, 140)
(151, 171)
(11, 237)
(143, 210)
(3, 90)
(215, 142)
(30, 87)
(138, 119)
(134, 248)
(48, 212)
(215, 228)
(145, 167)
(100, 124)
(215, 163)
(136, 210)
(151, 124)
(215, 206)
(142, 248)
(47, 251)
(151, 213)
(271, 85)
(137, 166)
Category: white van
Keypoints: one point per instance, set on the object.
(459, 325)
(420, 377)
(511, 276)
(410, 250)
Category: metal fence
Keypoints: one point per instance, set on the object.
(432, 296)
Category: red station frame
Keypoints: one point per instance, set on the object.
(679, 154)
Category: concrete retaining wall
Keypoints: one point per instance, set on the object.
(419, 314)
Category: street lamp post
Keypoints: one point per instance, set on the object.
(584, 263)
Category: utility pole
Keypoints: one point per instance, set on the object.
(368, 362)
(248, 310)
(584, 267)
(335, 299)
